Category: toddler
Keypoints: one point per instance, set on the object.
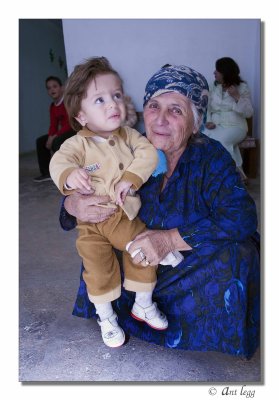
(116, 160)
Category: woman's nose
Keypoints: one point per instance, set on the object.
(162, 117)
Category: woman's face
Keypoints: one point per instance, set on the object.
(169, 121)
(218, 76)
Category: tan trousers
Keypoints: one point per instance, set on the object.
(102, 271)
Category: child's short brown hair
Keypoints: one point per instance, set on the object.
(78, 82)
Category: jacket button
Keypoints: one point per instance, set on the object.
(111, 142)
(121, 166)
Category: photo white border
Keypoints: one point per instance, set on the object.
(9, 178)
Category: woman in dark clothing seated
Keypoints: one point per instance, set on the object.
(200, 208)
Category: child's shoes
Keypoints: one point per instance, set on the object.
(151, 315)
(112, 334)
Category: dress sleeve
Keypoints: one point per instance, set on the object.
(67, 221)
(244, 104)
(231, 213)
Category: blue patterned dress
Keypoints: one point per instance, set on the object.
(212, 298)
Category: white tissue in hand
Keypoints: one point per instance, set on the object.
(173, 258)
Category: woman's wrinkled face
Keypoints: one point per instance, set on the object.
(169, 121)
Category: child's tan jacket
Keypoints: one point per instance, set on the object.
(125, 155)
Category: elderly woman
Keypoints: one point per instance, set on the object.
(200, 208)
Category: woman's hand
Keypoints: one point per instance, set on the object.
(86, 207)
(210, 125)
(233, 92)
(156, 244)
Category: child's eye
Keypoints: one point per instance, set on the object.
(99, 100)
(118, 96)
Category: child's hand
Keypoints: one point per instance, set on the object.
(121, 190)
(79, 179)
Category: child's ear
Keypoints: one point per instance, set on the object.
(81, 119)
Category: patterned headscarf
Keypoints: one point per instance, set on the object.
(181, 79)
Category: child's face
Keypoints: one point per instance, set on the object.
(54, 90)
(103, 109)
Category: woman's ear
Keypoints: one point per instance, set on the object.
(81, 118)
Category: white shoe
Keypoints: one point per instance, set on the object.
(151, 315)
(112, 334)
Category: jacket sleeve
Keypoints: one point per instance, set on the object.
(231, 212)
(145, 158)
(53, 121)
(69, 157)
(59, 121)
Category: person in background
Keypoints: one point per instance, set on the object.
(59, 129)
(199, 207)
(229, 106)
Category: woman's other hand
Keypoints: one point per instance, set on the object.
(86, 207)
(233, 92)
(210, 125)
(156, 244)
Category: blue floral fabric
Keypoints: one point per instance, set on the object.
(180, 79)
(212, 298)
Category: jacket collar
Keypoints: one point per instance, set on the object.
(85, 132)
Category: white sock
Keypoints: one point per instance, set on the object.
(144, 299)
(104, 310)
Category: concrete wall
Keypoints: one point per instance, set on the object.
(136, 48)
(139, 47)
(41, 53)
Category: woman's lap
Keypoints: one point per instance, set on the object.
(229, 136)
(214, 306)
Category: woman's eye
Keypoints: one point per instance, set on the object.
(99, 100)
(176, 110)
(153, 105)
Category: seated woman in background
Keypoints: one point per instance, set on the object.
(229, 106)
(198, 207)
